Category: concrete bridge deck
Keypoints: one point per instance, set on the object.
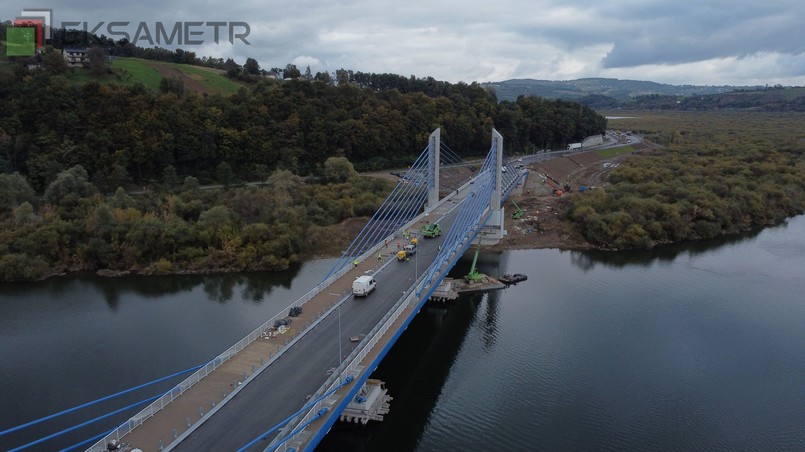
(297, 372)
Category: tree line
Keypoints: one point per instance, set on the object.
(776, 98)
(129, 135)
(176, 226)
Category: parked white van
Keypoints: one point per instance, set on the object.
(363, 285)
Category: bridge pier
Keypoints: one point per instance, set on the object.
(371, 403)
(492, 231)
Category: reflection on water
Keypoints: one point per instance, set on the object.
(219, 287)
(689, 347)
(587, 260)
(415, 371)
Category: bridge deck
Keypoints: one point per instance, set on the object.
(224, 380)
(269, 380)
(172, 421)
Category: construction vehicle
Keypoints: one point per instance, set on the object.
(553, 183)
(518, 213)
(431, 230)
(404, 253)
(474, 276)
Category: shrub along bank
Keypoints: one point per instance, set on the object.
(718, 173)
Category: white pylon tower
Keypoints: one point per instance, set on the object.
(493, 231)
(434, 145)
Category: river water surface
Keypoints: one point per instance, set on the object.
(690, 347)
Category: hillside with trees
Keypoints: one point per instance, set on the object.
(125, 135)
(107, 177)
(579, 89)
(777, 98)
(614, 94)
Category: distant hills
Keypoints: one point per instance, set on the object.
(607, 93)
(620, 90)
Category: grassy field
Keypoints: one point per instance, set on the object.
(195, 78)
(727, 128)
(612, 152)
(128, 71)
(134, 70)
(212, 79)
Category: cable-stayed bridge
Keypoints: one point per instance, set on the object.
(284, 385)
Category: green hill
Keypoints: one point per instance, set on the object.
(603, 93)
(576, 89)
(128, 71)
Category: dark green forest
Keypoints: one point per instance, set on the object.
(129, 135)
(107, 177)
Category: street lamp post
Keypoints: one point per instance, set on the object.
(339, 334)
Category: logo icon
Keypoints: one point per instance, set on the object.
(43, 14)
(21, 41)
(28, 32)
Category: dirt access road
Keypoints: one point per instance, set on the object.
(541, 225)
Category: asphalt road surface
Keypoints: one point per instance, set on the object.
(280, 390)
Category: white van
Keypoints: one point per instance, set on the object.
(363, 285)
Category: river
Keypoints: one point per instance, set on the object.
(688, 347)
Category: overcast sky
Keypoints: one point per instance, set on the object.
(702, 42)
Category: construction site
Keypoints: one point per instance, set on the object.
(534, 214)
(534, 211)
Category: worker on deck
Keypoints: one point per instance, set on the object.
(355, 262)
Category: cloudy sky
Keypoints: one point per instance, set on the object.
(702, 42)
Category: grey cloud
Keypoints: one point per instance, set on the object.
(692, 33)
(480, 40)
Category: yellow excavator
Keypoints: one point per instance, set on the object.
(404, 253)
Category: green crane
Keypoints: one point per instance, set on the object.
(517, 214)
(474, 275)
